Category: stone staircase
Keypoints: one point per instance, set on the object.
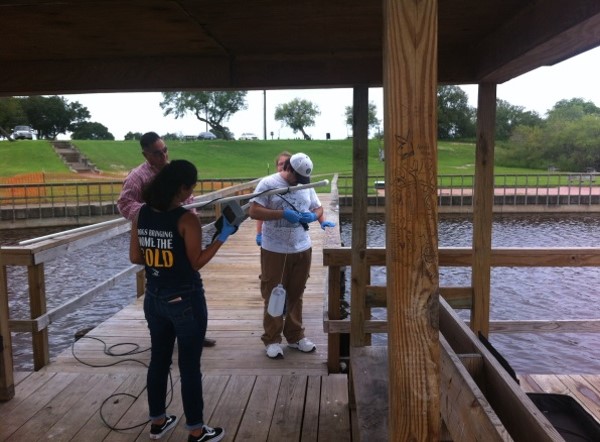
(74, 159)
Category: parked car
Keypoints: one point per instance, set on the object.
(248, 136)
(207, 136)
(22, 133)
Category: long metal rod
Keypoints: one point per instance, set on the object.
(187, 206)
(252, 195)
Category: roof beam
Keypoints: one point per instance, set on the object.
(188, 73)
(548, 32)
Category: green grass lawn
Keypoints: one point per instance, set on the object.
(228, 159)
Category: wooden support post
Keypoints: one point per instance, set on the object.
(360, 153)
(37, 303)
(410, 113)
(334, 292)
(7, 383)
(483, 204)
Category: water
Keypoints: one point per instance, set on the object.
(517, 293)
(545, 293)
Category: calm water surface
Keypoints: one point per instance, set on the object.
(545, 293)
(517, 294)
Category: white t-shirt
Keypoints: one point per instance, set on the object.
(280, 235)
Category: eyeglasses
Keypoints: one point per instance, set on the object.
(160, 152)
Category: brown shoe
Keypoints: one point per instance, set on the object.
(209, 342)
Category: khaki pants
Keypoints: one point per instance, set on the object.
(295, 274)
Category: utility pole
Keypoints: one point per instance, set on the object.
(264, 115)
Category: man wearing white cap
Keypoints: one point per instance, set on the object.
(286, 251)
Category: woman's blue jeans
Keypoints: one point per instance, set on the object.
(176, 313)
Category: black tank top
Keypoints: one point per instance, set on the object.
(163, 248)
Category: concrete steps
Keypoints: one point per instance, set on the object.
(74, 159)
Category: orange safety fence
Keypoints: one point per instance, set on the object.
(20, 189)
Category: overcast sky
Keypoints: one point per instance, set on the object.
(538, 90)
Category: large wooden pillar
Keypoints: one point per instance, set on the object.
(483, 205)
(410, 84)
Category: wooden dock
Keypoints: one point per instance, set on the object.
(251, 396)
(86, 390)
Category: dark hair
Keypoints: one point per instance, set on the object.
(148, 139)
(165, 186)
(287, 166)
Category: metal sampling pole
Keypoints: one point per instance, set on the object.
(118, 221)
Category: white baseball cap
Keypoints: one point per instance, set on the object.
(302, 166)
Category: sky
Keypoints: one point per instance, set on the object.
(537, 90)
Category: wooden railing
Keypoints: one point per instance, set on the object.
(457, 297)
(34, 256)
(478, 398)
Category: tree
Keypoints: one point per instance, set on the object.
(133, 136)
(573, 109)
(456, 119)
(568, 139)
(297, 115)
(53, 115)
(212, 108)
(372, 120)
(89, 130)
(11, 114)
(509, 116)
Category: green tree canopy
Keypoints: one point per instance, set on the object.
(573, 109)
(133, 136)
(53, 115)
(372, 120)
(88, 130)
(297, 115)
(11, 115)
(508, 117)
(456, 119)
(569, 138)
(213, 108)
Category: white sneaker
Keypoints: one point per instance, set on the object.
(304, 345)
(274, 351)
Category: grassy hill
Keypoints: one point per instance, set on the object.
(227, 159)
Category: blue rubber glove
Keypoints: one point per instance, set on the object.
(226, 230)
(308, 217)
(291, 216)
(327, 224)
(259, 239)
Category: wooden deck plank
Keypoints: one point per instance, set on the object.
(85, 408)
(256, 421)
(289, 408)
(372, 397)
(12, 420)
(312, 403)
(24, 390)
(334, 419)
(37, 426)
(95, 429)
(232, 405)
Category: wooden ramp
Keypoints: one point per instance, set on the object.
(253, 397)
